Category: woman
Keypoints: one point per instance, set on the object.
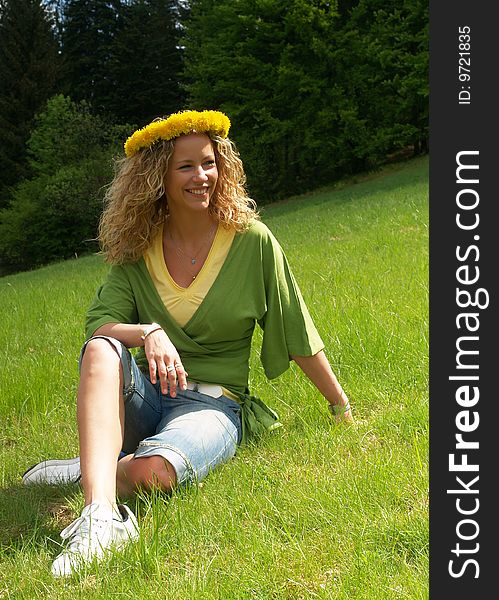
(193, 270)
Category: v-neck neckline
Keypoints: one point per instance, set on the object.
(202, 306)
(195, 282)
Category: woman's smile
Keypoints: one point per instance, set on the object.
(198, 191)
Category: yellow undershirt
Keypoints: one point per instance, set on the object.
(181, 302)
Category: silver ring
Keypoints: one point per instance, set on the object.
(170, 368)
(177, 365)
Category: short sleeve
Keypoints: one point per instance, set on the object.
(114, 302)
(287, 326)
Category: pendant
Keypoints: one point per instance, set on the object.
(193, 261)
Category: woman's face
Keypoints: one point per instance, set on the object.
(192, 173)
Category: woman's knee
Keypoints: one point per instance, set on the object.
(99, 347)
(150, 472)
(100, 355)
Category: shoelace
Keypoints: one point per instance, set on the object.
(81, 530)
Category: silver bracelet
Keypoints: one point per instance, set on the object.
(336, 409)
(150, 329)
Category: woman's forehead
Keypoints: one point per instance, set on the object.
(193, 143)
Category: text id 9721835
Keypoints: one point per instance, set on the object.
(464, 64)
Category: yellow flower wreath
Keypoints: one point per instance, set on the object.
(181, 123)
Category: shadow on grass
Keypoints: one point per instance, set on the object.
(31, 514)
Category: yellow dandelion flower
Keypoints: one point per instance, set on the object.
(181, 123)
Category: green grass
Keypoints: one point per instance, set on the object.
(315, 510)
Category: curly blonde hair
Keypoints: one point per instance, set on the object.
(136, 206)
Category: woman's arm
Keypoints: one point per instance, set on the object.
(129, 335)
(318, 370)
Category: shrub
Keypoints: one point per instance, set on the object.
(54, 215)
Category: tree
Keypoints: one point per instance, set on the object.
(147, 61)
(267, 64)
(29, 65)
(88, 30)
(66, 133)
(384, 66)
(123, 57)
(315, 92)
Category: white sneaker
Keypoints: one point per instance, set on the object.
(96, 531)
(54, 472)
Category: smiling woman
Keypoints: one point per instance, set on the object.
(193, 271)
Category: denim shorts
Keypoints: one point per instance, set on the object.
(194, 432)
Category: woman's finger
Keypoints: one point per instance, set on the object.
(163, 376)
(152, 370)
(172, 379)
(181, 375)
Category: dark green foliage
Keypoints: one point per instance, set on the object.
(263, 63)
(65, 133)
(28, 73)
(384, 67)
(314, 94)
(89, 27)
(123, 57)
(55, 215)
(147, 62)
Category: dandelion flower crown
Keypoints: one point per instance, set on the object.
(180, 123)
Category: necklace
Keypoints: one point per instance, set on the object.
(193, 259)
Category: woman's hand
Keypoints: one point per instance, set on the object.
(164, 362)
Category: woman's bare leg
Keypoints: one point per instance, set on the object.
(100, 414)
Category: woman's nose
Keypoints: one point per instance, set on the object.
(200, 173)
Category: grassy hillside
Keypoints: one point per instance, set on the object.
(315, 510)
